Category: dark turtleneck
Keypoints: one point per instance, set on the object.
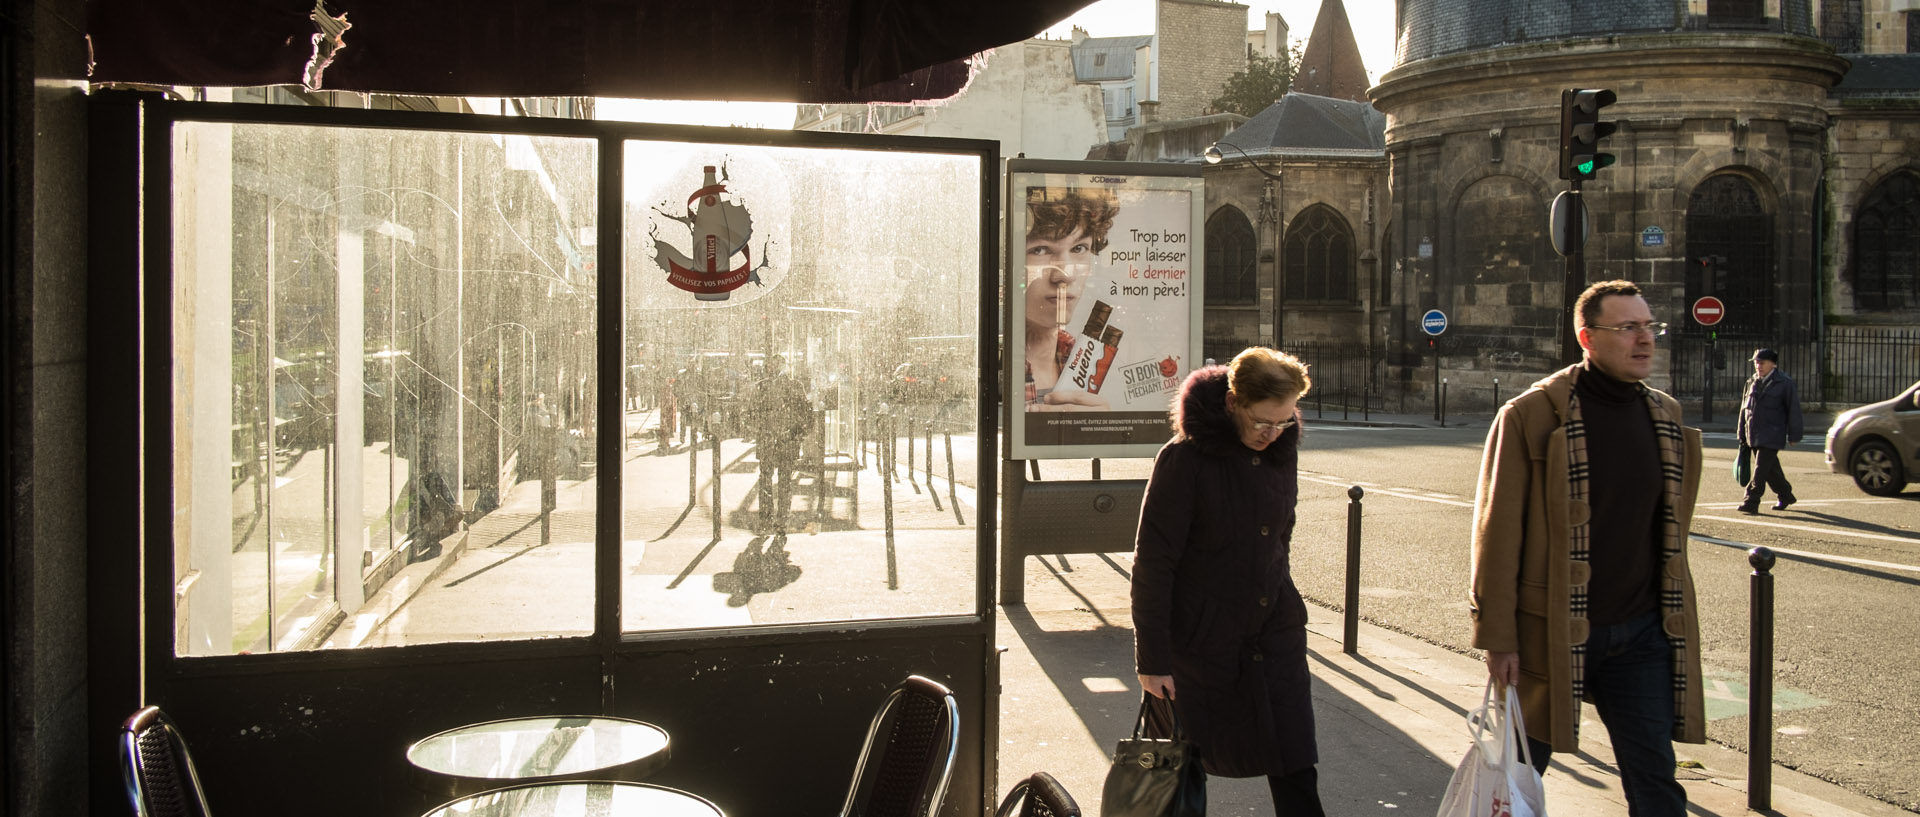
(1623, 493)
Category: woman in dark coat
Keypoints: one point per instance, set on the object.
(1219, 628)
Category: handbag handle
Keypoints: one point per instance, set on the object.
(1140, 722)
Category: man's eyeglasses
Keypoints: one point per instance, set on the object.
(1652, 329)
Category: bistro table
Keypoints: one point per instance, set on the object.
(548, 749)
(580, 798)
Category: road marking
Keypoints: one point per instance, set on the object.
(1809, 555)
(1726, 696)
(1389, 492)
(1910, 540)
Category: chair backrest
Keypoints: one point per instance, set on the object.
(908, 757)
(157, 769)
(1039, 796)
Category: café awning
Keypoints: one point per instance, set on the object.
(817, 51)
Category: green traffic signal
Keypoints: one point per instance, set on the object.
(1581, 131)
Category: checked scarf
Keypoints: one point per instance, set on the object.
(1672, 442)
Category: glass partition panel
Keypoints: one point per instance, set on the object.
(384, 388)
(801, 376)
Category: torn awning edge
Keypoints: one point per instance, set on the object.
(517, 48)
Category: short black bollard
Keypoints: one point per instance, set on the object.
(1443, 402)
(715, 439)
(931, 493)
(886, 500)
(1351, 638)
(1760, 686)
(1496, 394)
(953, 490)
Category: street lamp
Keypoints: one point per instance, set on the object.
(1214, 157)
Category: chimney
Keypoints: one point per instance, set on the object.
(1149, 112)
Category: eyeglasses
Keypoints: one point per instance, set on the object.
(1277, 428)
(1652, 329)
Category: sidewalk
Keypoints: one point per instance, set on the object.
(1391, 721)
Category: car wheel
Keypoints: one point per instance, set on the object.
(1876, 469)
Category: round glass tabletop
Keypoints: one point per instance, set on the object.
(542, 748)
(591, 798)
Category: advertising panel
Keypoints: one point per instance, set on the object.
(1104, 294)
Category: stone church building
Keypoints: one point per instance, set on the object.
(1768, 155)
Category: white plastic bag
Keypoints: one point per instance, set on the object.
(1496, 778)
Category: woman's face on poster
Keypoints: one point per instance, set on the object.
(1057, 272)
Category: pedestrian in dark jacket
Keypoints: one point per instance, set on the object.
(1769, 422)
(1219, 628)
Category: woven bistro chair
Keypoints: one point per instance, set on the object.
(157, 769)
(1038, 796)
(908, 757)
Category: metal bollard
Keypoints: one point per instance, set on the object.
(931, 492)
(715, 439)
(910, 479)
(1443, 402)
(1760, 684)
(886, 482)
(1496, 394)
(953, 492)
(693, 472)
(1351, 637)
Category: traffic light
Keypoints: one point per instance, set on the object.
(1581, 131)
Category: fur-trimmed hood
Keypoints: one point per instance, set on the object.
(1200, 414)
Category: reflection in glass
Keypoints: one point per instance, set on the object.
(384, 391)
(758, 424)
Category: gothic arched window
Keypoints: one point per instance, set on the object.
(1319, 257)
(1231, 250)
(1886, 245)
(1730, 251)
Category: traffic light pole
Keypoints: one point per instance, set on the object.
(1576, 281)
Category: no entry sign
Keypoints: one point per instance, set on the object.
(1709, 310)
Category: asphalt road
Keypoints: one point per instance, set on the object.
(1847, 701)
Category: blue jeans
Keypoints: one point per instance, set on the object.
(1630, 677)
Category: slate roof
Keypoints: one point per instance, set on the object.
(1432, 28)
(1880, 76)
(1332, 65)
(1309, 125)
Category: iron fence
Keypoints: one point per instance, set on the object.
(1347, 378)
(1847, 366)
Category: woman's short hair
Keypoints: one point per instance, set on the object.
(1259, 374)
(1054, 213)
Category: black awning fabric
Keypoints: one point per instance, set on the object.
(799, 51)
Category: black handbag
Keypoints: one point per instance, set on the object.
(1743, 466)
(1155, 777)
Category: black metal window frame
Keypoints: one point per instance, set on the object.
(133, 288)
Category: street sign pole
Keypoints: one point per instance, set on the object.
(1706, 401)
(1433, 323)
(1709, 311)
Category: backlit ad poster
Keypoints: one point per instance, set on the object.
(1103, 290)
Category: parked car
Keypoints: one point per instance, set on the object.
(1878, 444)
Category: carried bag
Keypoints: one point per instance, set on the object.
(1743, 466)
(1155, 777)
(1496, 778)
